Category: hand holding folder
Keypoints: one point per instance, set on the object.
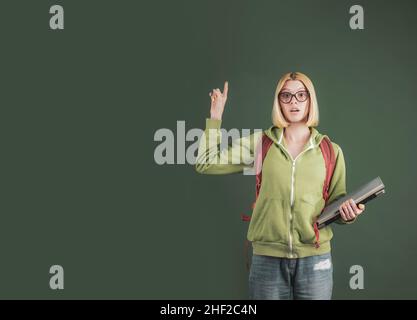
(361, 195)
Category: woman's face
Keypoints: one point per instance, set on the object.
(295, 108)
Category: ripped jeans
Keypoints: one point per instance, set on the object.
(274, 278)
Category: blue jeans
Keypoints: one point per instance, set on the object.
(273, 278)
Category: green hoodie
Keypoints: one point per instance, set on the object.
(291, 194)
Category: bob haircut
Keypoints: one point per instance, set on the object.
(313, 112)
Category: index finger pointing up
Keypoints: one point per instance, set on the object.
(226, 88)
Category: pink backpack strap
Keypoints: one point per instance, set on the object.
(259, 160)
(330, 162)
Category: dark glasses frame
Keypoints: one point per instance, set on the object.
(293, 95)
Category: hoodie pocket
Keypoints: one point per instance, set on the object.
(269, 223)
(308, 209)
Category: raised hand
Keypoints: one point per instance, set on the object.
(218, 101)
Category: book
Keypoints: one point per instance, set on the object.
(363, 194)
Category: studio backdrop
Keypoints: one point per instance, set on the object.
(102, 105)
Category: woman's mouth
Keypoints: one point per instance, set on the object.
(294, 110)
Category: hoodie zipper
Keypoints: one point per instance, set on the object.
(292, 191)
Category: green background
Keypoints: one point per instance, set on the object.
(80, 107)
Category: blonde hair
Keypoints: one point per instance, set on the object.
(313, 112)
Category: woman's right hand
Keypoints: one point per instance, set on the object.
(218, 101)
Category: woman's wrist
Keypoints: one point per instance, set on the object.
(215, 117)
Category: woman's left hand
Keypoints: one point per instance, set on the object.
(349, 210)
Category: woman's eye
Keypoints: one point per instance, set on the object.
(302, 95)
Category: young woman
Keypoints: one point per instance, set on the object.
(286, 263)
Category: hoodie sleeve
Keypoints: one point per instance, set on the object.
(213, 159)
(337, 187)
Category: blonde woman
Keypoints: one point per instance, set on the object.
(286, 263)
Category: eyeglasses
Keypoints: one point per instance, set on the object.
(286, 96)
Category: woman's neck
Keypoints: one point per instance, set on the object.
(297, 133)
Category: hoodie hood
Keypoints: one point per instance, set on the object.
(276, 135)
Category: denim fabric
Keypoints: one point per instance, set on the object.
(274, 278)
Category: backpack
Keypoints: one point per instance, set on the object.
(329, 160)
